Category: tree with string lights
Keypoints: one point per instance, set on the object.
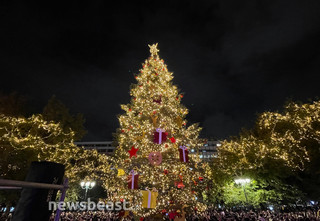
(281, 155)
(23, 140)
(155, 170)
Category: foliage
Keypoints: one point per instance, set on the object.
(13, 104)
(23, 140)
(281, 152)
(56, 111)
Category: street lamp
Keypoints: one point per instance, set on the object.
(88, 185)
(243, 183)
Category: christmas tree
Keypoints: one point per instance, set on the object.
(155, 168)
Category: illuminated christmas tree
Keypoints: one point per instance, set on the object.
(155, 168)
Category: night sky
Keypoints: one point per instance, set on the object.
(232, 59)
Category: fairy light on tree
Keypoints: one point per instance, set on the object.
(23, 140)
(153, 145)
(282, 146)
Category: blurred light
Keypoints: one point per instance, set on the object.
(87, 184)
(271, 208)
(242, 181)
(312, 202)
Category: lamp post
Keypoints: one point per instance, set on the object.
(243, 183)
(87, 185)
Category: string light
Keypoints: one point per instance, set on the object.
(279, 138)
(156, 103)
(47, 142)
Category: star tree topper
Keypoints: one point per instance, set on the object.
(153, 49)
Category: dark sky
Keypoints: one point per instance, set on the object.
(232, 59)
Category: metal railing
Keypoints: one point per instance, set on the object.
(16, 184)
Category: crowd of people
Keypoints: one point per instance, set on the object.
(311, 214)
(212, 214)
(261, 215)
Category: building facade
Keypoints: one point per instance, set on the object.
(207, 152)
(103, 147)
